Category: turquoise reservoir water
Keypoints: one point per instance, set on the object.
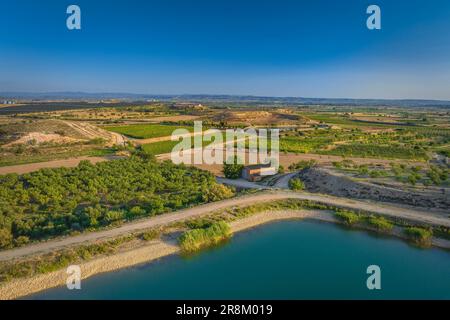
(283, 260)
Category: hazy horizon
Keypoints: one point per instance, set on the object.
(129, 95)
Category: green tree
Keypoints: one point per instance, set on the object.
(5, 238)
(217, 192)
(232, 169)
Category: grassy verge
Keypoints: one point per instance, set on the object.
(420, 236)
(196, 239)
(380, 223)
(348, 217)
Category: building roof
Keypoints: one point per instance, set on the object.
(258, 166)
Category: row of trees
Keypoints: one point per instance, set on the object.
(52, 202)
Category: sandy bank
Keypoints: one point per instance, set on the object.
(267, 216)
(21, 287)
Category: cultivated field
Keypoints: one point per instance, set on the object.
(146, 131)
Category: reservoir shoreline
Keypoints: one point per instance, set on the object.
(159, 248)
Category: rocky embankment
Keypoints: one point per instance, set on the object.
(325, 181)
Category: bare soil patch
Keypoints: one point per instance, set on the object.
(39, 137)
(69, 163)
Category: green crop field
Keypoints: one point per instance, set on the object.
(167, 146)
(303, 145)
(377, 151)
(146, 131)
(159, 147)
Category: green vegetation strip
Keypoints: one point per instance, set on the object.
(412, 143)
(377, 151)
(420, 236)
(161, 147)
(146, 131)
(196, 239)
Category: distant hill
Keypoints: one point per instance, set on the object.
(133, 97)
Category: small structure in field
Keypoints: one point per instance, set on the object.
(258, 171)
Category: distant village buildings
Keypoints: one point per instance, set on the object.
(9, 102)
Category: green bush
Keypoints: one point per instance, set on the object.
(348, 217)
(232, 169)
(337, 164)
(5, 238)
(303, 164)
(413, 177)
(218, 192)
(151, 235)
(363, 169)
(296, 184)
(419, 235)
(377, 173)
(380, 223)
(196, 239)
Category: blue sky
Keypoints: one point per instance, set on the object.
(317, 48)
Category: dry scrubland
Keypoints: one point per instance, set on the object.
(38, 140)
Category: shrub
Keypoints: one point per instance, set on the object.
(217, 192)
(374, 174)
(135, 212)
(419, 235)
(21, 240)
(232, 169)
(199, 223)
(19, 149)
(296, 184)
(337, 164)
(363, 169)
(196, 239)
(348, 217)
(412, 179)
(304, 164)
(380, 223)
(113, 215)
(150, 235)
(5, 238)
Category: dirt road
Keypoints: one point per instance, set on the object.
(403, 212)
(165, 138)
(68, 163)
(283, 181)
